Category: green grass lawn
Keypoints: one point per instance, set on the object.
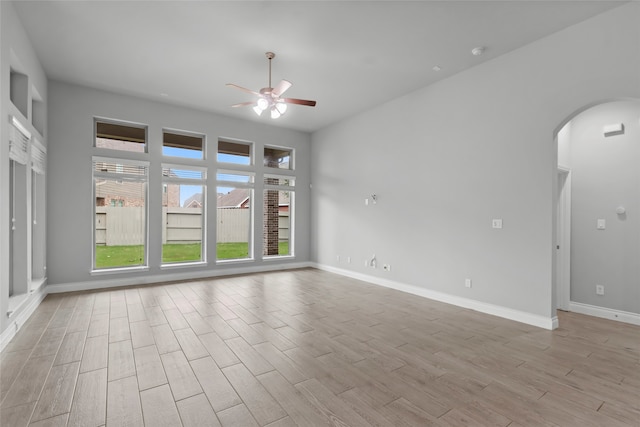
(125, 256)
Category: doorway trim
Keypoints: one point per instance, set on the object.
(563, 240)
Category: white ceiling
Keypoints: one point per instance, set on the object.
(349, 56)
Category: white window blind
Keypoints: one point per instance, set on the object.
(38, 157)
(18, 142)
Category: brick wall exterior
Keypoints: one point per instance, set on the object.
(271, 215)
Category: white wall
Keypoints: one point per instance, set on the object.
(605, 175)
(15, 52)
(446, 159)
(72, 111)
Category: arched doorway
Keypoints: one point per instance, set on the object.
(597, 199)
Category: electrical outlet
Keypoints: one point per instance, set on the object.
(386, 267)
(338, 258)
(599, 290)
(348, 260)
(467, 283)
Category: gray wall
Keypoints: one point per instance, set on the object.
(605, 175)
(446, 159)
(72, 109)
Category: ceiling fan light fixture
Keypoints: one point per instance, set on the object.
(281, 107)
(258, 110)
(262, 104)
(275, 113)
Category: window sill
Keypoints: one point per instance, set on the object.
(277, 257)
(235, 261)
(115, 270)
(183, 265)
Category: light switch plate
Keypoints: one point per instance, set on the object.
(496, 223)
(601, 224)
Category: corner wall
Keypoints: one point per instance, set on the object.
(447, 159)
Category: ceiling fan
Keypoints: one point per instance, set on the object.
(270, 98)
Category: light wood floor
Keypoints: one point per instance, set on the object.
(308, 348)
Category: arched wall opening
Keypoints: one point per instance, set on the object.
(597, 201)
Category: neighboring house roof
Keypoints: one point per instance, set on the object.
(234, 199)
(194, 201)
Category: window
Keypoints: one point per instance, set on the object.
(19, 191)
(234, 152)
(38, 214)
(234, 215)
(120, 203)
(278, 217)
(183, 203)
(275, 157)
(123, 137)
(182, 145)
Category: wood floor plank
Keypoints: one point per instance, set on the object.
(99, 324)
(71, 348)
(149, 368)
(291, 400)
(57, 394)
(175, 318)
(181, 378)
(287, 368)
(96, 353)
(121, 361)
(11, 364)
(155, 315)
(221, 327)
(218, 349)
(196, 411)
(16, 416)
(135, 312)
(309, 348)
(49, 343)
(28, 383)
(123, 403)
(219, 391)
(165, 339)
(251, 358)
(259, 402)
(119, 329)
(158, 407)
(190, 344)
(328, 404)
(238, 415)
(141, 334)
(90, 400)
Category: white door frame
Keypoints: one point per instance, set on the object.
(563, 240)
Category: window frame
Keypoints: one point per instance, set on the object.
(111, 175)
(202, 181)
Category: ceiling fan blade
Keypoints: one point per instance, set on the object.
(244, 89)
(299, 101)
(244, 104)
(281, 87)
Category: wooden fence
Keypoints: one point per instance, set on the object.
(125, 225)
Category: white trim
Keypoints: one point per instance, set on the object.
(549, 323)
(165, 277)
(605, 313)
(14, 326)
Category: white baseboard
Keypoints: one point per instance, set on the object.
(549, 323)
(113, 282)
(605, 313)
(25, 311)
